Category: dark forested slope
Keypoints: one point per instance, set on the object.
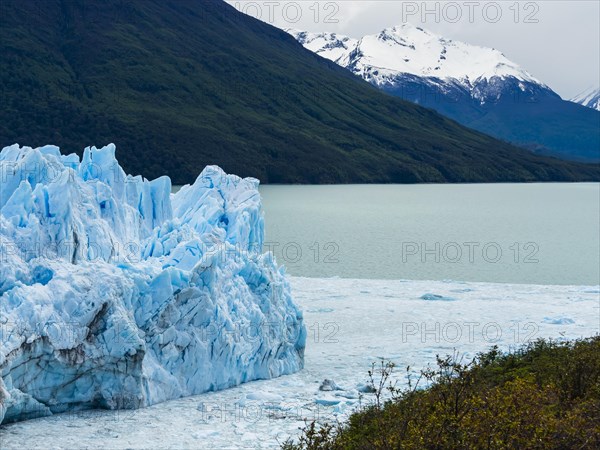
(179, 84)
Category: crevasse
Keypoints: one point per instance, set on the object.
(114, 293)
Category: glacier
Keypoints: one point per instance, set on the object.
(115, 293)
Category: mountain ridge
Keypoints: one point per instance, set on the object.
(477, 86)
(590, 98)
(416, 51)
(178, 85)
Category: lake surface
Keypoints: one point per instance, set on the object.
(513, 233)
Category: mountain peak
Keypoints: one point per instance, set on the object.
(407, 28)
(410, 49)
(589, 98)
(332, 46)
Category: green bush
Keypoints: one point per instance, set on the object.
(544, 396)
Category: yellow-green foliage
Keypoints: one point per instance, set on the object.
(544, 396)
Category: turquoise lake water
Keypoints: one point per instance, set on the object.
(514, 233)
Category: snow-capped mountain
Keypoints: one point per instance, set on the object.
(476, 86)
(589, 98)
(387, 58)
(328, 45)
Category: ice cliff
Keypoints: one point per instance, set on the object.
(114, 293)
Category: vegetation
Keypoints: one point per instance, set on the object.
(536, 118)
(179, 84)
(544, 396)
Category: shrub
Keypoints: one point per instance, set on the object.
(546, 395)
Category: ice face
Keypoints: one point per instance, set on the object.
(116, 294)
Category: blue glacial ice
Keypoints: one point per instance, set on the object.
(114, 293)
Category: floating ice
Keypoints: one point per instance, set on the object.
(322, 310)
(329, 385)
(365, 388)
(116, 294)
(558, 320)
(327, 401)
(437, 298)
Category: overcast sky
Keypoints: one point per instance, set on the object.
(558, 42)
